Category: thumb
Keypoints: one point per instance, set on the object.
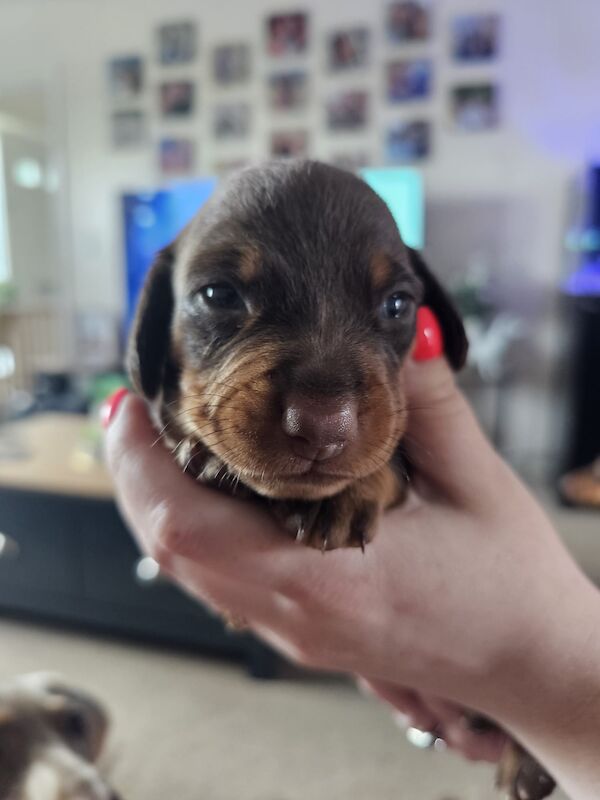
(443, 441)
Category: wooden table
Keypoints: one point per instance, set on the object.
(53, 453)
(66, 555)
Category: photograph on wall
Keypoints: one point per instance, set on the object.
(128, 129)
(347, 111)
(475, 107)
(288, 90)
(176, 156)
(177, 43)
(287, 34)
(407, 141)
(408, 21)
(289, 144)
(126, 77)
(409, 80)
(177, 98)
(475, 37)
(348, 49)
(231, 64)
(350, 161)
(231, 121)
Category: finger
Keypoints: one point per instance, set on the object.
(409, 710)
(484, 746)
(228, 598)
(169, 512)
(444, 441)
(487, 746)
(273, 618)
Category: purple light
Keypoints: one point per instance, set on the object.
(584, 282)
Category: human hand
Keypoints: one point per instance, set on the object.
(455, 598)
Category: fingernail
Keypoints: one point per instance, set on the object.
(110, 406)
(429, 342)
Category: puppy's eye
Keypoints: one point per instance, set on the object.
(74, 725)
(222, 296)
(397, 305)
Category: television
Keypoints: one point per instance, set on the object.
(151, 221)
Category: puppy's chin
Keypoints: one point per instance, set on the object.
(310, 486)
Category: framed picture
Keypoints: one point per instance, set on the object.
(232, 121)
(176, 156)
(408, 21)
(289, 144)
(287, 34)
(475, 107)
(231, 64)
(288, 90)
(177, 98)
(126, 77)
(409, 80)
(347, 49)
(347, 111)
(408, 141)
(177, 43)
(475, 37)
(128, 129)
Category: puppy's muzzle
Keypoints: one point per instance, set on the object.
(319, 428)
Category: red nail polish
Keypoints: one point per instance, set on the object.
(429, 342)
(110, 406)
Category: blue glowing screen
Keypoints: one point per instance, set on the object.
(402, 191)
(152, 221)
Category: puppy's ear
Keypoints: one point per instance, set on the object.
(7, 716)
(79, 720)
(437, 298)
(150, 334)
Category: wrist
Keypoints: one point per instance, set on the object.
(549, 694)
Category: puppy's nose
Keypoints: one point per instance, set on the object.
(319, 427)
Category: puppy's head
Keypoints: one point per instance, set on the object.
(50, 734)
(274, 329)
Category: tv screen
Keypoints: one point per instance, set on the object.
(152, 220)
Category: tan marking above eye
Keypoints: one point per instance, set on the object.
(249, 264)
(380, 269)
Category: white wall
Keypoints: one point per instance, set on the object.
(549, 79)
(548, 76)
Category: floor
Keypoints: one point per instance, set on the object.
(187, 728)
(190, 728)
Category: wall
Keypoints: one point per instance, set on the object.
(548, 75)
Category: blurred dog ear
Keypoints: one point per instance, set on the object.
(78, 718)
(437, 298)
(150, 334)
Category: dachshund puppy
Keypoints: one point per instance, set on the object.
(269, 342)
(50, 735)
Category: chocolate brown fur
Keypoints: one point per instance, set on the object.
(312, 253)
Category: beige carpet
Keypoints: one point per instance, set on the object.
(189, 728)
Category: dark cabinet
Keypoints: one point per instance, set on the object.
(70, 559)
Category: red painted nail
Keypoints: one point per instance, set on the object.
(110, 406)
(429, 342)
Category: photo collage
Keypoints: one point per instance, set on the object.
(408, 76)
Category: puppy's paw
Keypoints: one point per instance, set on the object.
(347, 519)
(341, 521)
(521, 777)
